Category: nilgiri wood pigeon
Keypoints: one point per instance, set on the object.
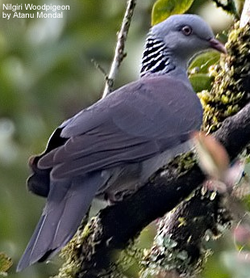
(111, 148)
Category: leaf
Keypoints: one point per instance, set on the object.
(200, 82)
(162, 9)
(5, 263)
(204, 61)
(212, 156)
(200, 70)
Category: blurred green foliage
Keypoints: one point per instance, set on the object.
(46, 76)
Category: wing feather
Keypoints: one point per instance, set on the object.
(134, 123)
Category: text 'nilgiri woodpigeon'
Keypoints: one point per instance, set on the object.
(112, 148)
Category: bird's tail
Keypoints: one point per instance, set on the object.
(68, 201)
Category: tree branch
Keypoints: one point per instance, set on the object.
(119, 50)
(185, 229)
(116, 225)
(187, 225)
(180, 235)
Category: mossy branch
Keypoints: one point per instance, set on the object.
(186, 227)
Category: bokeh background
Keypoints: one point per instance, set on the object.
(47, 74)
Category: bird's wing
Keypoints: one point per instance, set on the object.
(132, 124)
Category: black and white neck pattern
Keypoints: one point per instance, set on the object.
(156, 57)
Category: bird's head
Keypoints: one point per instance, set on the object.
(178, 39)
(186, 35)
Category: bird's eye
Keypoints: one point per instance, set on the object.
(186, 30)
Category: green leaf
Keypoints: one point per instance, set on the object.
(204, 61)
(199, 73)
(5, 263)
(200, 82)
(162, 9)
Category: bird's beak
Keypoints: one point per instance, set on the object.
(215, 44)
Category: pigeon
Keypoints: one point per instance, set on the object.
(111, 148)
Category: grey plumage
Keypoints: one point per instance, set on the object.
(112, 147)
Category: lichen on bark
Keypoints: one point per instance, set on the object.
(178, 245)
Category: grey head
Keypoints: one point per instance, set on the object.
(173, 42)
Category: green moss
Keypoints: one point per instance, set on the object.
(229, 92)
(180, 165)
(72, 253)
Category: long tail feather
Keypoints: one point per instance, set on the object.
(67, 203)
